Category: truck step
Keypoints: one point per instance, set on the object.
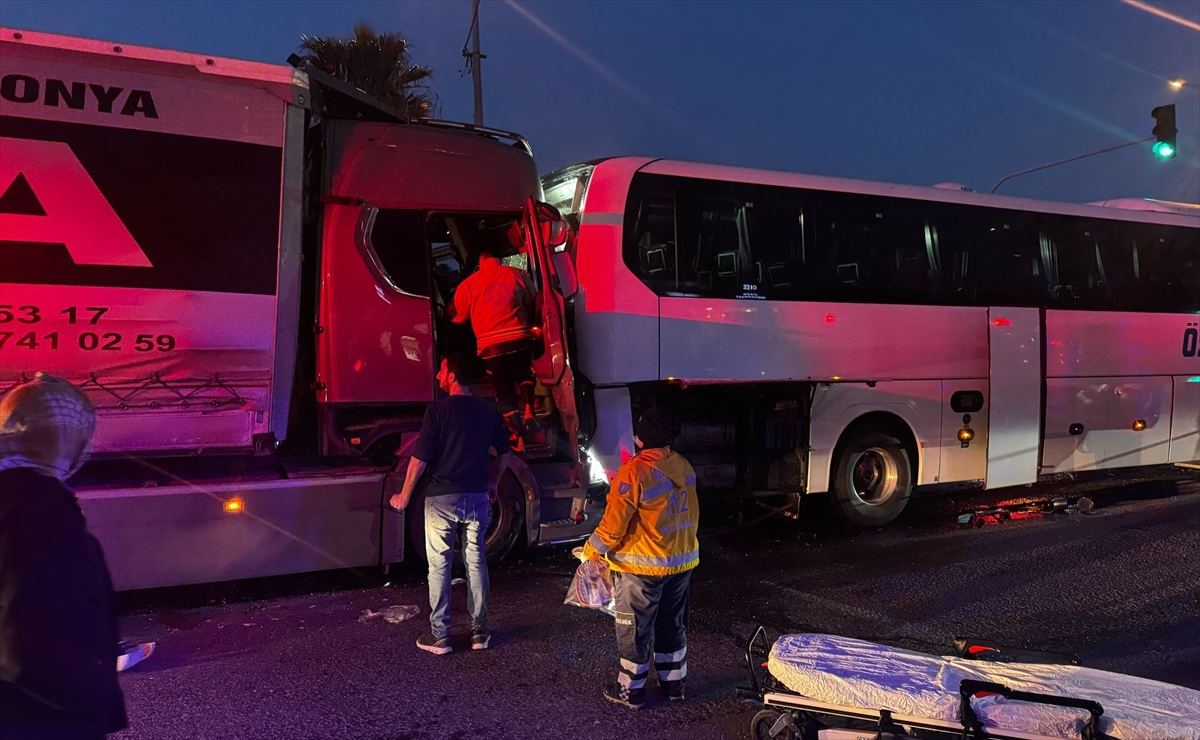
(567, 491)
(564, 530)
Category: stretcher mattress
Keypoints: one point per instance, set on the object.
(865, 675)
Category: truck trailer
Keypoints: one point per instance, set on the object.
(245, 267)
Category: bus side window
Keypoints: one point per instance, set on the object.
(776, 235)
(1168, 269)
(714, 252)
(842, 241)
(649, 241)
(869, 250)
(1115, 254)
(912, 267)
(1082, 282)
(997, 258)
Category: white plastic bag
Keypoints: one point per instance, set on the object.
(592, 587)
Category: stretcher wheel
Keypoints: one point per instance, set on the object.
(760, 726)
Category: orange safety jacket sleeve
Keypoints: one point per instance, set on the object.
(620, 508)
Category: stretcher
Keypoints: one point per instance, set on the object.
(825, 687)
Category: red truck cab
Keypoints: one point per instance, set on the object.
(405, 209)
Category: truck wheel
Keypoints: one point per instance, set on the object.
(507, 519)
(505, 524)
(760, 726)
(872, 477)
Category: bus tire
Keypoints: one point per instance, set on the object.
(872, 477)
(506, 522)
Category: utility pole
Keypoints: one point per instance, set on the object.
(475, 58)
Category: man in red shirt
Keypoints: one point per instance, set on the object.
(498, 300)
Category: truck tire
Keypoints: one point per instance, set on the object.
(872, 477)
(505, 524)
(507, 520)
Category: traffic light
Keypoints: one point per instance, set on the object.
(1164, 131)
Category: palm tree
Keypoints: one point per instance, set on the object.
(377, 64)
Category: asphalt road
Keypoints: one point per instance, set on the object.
(1120, 586)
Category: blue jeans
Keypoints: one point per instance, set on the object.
(444, 516)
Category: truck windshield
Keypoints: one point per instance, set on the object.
(456, 241)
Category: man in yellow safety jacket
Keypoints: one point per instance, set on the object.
(648, 536)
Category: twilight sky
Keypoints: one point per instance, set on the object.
(913, 92)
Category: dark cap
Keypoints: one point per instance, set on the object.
(658, 427)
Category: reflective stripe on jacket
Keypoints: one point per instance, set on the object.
(649, 525)
(498, 300)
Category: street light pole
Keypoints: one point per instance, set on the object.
(476, 80)
(1070, 159)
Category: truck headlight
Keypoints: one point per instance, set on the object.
(597, 475)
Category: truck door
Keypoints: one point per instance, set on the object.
(375, 338)
(546, 231)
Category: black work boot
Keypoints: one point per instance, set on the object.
(631, 698)
(673, 690)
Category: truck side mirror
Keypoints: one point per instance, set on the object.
(554, 227)
(564, 270)
(555, 233)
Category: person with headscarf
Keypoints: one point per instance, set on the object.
(58, 626)
(648, 538)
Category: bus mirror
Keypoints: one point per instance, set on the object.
(564, 269)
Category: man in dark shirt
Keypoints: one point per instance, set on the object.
(453, 447)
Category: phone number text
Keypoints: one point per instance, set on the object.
(88, 341)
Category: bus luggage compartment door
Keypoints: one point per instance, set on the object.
(1015, 380)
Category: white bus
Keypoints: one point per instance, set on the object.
(828, 335)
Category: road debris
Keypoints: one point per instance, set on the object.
(131, 655)
(392, 614)
(1024, 510)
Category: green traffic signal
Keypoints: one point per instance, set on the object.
(1164, 150)
(1164, 131)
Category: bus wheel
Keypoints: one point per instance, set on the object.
(872, 477)
(507, 519)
